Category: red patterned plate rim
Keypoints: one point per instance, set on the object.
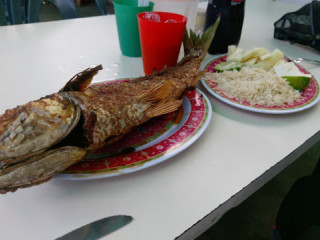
(196, 115)
(309, 97)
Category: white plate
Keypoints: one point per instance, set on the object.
(149, 144)
(309, 97)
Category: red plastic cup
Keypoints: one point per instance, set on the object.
(160, 41)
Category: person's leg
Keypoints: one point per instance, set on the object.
(300, 209)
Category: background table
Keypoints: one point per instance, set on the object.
(180, 198)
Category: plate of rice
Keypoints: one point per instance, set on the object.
(258, 90)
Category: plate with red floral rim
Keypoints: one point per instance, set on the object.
(151, 143)
(309, 96)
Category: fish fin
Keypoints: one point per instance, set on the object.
(163, 107)
(157, 93)
(195, 44)
(82, 80)
(197, 78)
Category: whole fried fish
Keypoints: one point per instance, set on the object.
(44, 137)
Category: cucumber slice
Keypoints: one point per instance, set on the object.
(228, 66)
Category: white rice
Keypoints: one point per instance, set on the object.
(255, 86)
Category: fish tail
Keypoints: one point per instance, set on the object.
(197, 45)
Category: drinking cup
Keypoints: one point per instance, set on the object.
(187, 8)
(161, 35)
(127, 24)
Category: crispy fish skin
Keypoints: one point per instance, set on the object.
(133, 102)
(129, 104)
(65, 126)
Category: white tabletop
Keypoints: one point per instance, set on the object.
(179, 198)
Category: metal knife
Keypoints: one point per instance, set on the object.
(97, 229)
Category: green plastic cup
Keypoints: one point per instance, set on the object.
(127, 23)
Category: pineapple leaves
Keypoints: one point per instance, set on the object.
(195, 44)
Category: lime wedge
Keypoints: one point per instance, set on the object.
(293, 75)
(228, 66)
(298, 82)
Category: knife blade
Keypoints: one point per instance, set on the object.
(98, 229)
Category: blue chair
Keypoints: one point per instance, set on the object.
(16, 11)
(12, 12)
(67, 9)
(102, 6)
(3, 18)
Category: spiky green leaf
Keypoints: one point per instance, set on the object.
(194, 43)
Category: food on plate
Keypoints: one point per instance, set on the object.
(293, 75)
(256, 57)
(264, 78)
(44, 137)
(255, 86)
(229, 66)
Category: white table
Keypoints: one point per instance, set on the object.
(180, 198)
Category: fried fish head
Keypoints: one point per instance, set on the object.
(32, 128)
(39, 168)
